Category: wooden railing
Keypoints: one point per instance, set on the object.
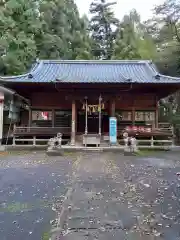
(34, 131)
(152, 143)
(163, 129)
(34, 141)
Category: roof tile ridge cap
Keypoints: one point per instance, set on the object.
(153, 71)
(171, 77)
(92, 61)
(32, 71)
(36, 69)
(158, 73)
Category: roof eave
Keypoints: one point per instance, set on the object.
(10, 92)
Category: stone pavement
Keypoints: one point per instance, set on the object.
(97, 210)
(95, 195)
(30, 186)
(117, 197)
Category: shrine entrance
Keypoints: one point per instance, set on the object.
(93, 122)
(92, 117)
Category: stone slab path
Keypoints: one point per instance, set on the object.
(117, 197)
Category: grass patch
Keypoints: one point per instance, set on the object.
(148, 152)
(70, 153)
(46, 236)
(18, 207)
(18, 152)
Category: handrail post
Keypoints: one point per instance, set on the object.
(34, 140)
(152, 141)
(14, 141)
(173, 137)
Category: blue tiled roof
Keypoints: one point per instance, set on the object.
(93, 71)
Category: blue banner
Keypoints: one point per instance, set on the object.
(113, 130)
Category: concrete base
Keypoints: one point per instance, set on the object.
(129, 153)
(2, 148)
(25, 147)
(82, 148)
(55, 152)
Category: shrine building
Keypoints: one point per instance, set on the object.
(78, 97)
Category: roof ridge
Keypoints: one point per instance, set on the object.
(95, 61)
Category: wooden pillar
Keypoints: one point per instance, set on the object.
(112, 108)
(100, 117)
(30, 118)
(156, 114)
(86, 117)
(133, 116)
(1, 115)
(53, 118)
(73, 123)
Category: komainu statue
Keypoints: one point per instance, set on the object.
(130, 143)
(54, 144)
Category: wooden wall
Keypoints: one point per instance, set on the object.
(139, 102)
(124, 101)
(50, 100)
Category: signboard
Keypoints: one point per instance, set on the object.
(113, 130)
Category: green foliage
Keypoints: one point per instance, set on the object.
(18, 25)
(103, 28)
(126, 46)
(63, 34)
(165, 29)
(146, 47)
(47, 30)
(133, 41)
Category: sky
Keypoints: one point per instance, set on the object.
(143, 7)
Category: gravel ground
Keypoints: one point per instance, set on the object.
(96, 196)
(30, 184)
